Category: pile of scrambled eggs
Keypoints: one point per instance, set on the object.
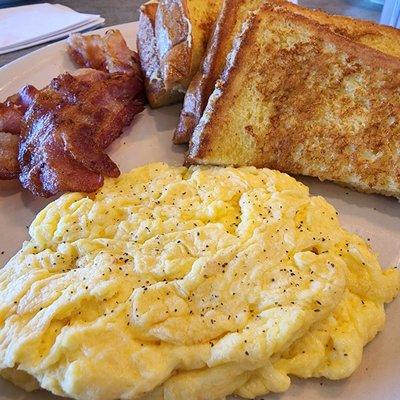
(175, 283)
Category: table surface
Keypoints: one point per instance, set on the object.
(121, 11)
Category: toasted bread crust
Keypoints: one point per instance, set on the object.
(299, 98)
(202, 84)
(173, 36)
(383, 38)
(171, 40)
(380, 37)
(156, 92)
(213, 62)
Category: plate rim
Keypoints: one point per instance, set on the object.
(56, 46)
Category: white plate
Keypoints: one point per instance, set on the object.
(376, 218)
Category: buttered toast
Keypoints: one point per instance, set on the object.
(228, 25)
(156, 93)
(172, 39)
(297, 97)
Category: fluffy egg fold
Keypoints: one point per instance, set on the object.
(188, 283)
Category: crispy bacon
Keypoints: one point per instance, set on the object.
(10, 119)
(9, 167)
(11, 113)
(12, 110)
(108, 53)
(67, 127)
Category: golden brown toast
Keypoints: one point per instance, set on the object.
(228, 25)
(172, 39)
(297, 97)
(156, 93)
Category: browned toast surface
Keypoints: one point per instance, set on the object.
(382, 38)
(299, 98)
(156, 92)
(172, 31)
(182, 31)
(173, 35)
(227, 25)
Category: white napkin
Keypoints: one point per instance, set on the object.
(27, 26)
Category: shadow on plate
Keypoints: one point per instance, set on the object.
(12, 191)
(11, 392)
(334, 192)
(165, 118)
(9, 188)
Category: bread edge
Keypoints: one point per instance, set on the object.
(199, 143)
(203, 82)
(157, 94)
(199, 91)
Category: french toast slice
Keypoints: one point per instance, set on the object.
(297, 97)
(172, 39)
(228, 25)
(156, 93)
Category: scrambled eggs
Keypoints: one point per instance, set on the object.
(175, 283)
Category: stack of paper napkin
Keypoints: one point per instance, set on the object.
(27, 26)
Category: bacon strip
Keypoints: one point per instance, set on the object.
(108, 53)
(67, 127)
(11, 114)
(9, 144)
